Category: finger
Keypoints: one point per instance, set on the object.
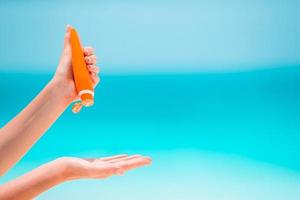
(90, 60)
(88, 51)
(114, 157)
(76, 107)
(68, 30)
(68, 27)
(67, 45)
(125, 158)
(93, 68)
(133, 163)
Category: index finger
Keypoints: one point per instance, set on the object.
(114, 157)
(87, 51)
(133, 163)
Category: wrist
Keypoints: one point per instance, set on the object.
(64, 169)
(63, 89)
(67, 169)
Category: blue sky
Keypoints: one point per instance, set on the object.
(153, 36)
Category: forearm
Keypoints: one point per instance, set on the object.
(35, 182)
(30, 124)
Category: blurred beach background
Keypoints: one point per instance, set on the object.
(209, 89)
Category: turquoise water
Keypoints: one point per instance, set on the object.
(211, 135)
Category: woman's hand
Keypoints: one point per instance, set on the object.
(64, 73)
(100, 168)
(28, 126)
(64, 169)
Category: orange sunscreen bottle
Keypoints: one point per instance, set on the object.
(81, 74)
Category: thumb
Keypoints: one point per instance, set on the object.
(67, 37)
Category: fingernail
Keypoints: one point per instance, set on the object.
(76, 107)
(68, 27)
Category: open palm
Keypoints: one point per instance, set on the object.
(103, 167)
